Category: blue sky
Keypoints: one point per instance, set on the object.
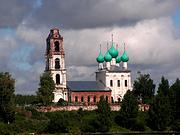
(151, 30)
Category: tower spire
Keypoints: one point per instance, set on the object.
(112, 38)
(107, 45)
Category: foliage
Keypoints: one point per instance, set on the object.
(159, 112)
(144, 87)
(128, 112)
(104, 115)
(62, 102)
(59, 122)
(45, 91)
(25, 99)
(174, 96)
(7, 97)
(163, 87)
(89, 123)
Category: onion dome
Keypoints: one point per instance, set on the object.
(124, 57)
(113, 52)
(100, 58)
(118, 59)
(107, 57)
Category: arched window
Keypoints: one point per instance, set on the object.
(57, 63)
(57, 79)
(118, 83)
(56, 44)
(94, 99)
(82, 99)
(88, 98)
(106, 98)
(111, 83)
(125, 83)
(76, 99)
(112, 100)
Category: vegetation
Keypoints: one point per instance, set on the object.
(7, 98)
(159, 112)
(144, 88)
(128, 112)
(23, 100)
(163, 115)
(45, 91)
(103, 115)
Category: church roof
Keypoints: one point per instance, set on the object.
(87, 86)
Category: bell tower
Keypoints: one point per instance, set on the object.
(55, 63)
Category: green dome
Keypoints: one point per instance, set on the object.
(107, 57)
(113, 52)
(124, 57)
(100, 58)
(118, 59)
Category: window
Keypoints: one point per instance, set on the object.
(57, 63)
(106, 98)
(88, 98)
(70, 99)
(94, 99)
(112, 100)
(125, 83)
(56, 44)
(76, 99)
(111, 83)
(118, 83)
(82, 99)
(57, 79)
(119, 100)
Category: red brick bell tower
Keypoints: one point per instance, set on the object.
(55, 63)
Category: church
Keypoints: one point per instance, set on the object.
(113, 78)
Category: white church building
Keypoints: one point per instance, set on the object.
(113, 78)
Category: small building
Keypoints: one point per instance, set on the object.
(113, 78)
(88, 92)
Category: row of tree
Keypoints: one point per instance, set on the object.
(164, 112)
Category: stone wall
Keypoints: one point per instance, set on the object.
(114, 107)
(74, 108)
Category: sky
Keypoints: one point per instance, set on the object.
(149, 28)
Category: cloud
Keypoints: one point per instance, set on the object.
(102, 13)
(152, 40)
(152, 46)
(13, 12)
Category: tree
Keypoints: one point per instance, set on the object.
(164, 87)
(104, 115)
(45, 91)
(144, 87)
(174, 96)
(59, 122)
(128, 112)
(160, 112)
(7, 105)
(25, 99)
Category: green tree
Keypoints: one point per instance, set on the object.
(25, 99)
(160, 112)
(128, 112)
(174, 96)
(164, 86)
(103, 115)
(45, 91)
(144, 87)
(59, 122)
(7, 105)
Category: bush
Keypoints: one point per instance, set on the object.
(62, 102)
(59, 122)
